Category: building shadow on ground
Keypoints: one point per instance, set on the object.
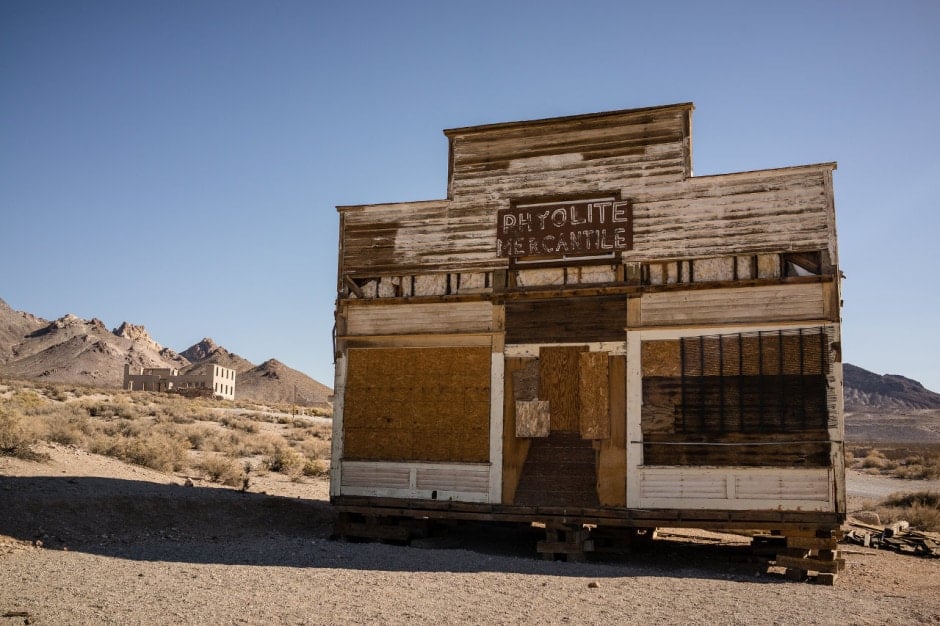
(141, 520)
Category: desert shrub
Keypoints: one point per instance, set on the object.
(157, 450)
(316, 468)
(231, 443)
(285, 460)
(27, 402)
(921, 509)
(315, 448)
(223, 470)
(15, 439)
(198, 436)
(876, 460)
(68, 430)
(238, 423)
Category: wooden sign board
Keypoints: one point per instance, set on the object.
(598, 226)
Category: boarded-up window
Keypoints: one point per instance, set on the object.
(756, 382)
(417, 404)
(753, 399)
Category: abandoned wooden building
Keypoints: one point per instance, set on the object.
(584, 334)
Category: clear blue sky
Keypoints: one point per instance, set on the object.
(176, 163)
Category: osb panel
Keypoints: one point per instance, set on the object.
(594, 395)
(515, 450)
(558, 383)
(417, 404)
(661, 358)
(612, 457)
(532, 418)
(525, 382)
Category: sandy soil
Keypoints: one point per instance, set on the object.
(89, 540)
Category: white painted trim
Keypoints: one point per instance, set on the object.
(411, 491)
(497, 387)
(336, 447)
(634, 383)
(822, 501)
(531, 350)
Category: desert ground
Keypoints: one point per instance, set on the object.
(86, 539)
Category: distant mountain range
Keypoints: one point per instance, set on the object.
(73, 350)
(867, 390)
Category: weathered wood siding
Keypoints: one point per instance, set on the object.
(401, 319)
(733, 305)
(560, 320)
(640, 147)
(750, 212)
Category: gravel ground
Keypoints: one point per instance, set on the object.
(89, 540)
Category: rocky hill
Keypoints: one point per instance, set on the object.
(866, 390)
(73, 350)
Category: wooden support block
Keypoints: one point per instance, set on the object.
(564, 547)
(795, 574)
(826, 579)
(811, 565)
(812, 543)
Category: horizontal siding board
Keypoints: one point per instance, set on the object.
(735, 489)
(456, 478)
(733, 305)
(395, 319)
(438, 481)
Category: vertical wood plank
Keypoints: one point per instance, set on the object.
(514, 450)
(558, 384)
(593, 395)
(612, 457)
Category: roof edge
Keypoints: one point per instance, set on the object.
(687, 106)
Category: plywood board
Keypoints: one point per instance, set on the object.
(418, 404)
(594, 395)
(532, 418)
(661, 358)
(558, 384)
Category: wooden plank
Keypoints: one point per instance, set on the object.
(612, 456)
(558, 384)
(811, 565)
(515, 449)
(734, 305)
(396, 319)
(594, 395)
